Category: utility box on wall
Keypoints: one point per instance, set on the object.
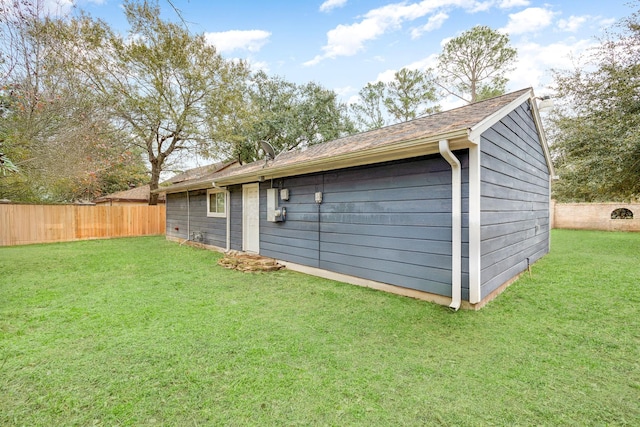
(274, 213)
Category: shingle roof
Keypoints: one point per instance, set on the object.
(200, 177)
(459, 120)
(138, 194)
(195, 173)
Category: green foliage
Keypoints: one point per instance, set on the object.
(369, 112)
(143, 331)
(6, 165)
(285, 114)
(53, 127)
(165, 87)
(84, 104)
(595, 127)
(410, 94)
(472, 66)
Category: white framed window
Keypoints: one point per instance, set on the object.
(216, 203)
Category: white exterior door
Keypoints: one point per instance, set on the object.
(251, 218)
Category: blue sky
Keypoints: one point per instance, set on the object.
(344, 44)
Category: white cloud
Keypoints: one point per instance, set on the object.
(607, 22)
(572, 24)
(228, 41)
(51, 8)
(508, 4)
(353, 99)
(385, 76)
(258, 65)
(423, 64)
(347, 40)
(329, 5)
(481, 6)
(529, 20)
(535, 62)
(344, 91)
(433, 23)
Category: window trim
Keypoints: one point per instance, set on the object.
(226, 199)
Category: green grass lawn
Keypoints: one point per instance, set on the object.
(146, 332)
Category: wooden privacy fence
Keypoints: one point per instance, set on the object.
(25, 224)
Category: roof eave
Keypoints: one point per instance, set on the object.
(476, 131)
(459, 139)
(479, 128)
(178, 188)
(193, 184)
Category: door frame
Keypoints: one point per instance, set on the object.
(246, 236)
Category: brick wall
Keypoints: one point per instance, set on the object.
(593, 216)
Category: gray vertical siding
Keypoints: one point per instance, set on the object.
(514, 199)
(389, 222)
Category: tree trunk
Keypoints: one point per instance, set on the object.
(153, 183)
(474, 89)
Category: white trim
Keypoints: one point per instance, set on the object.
(359, 281)
(475, 252)
(479, 128)
(216, 214)
(543, 139)
(245, 234)
(402, 150)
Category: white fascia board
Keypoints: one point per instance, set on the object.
(478, 129)
(543, 139)
(177, 188)
(402, 150)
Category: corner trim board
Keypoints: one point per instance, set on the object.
(475, 248)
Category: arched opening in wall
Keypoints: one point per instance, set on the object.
(622, 213)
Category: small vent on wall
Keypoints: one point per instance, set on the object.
(197, 236)
(622, 213)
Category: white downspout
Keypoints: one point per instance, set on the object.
(456, 224)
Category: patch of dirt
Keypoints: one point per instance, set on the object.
(248, 262)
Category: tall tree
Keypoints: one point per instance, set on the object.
(595, 126)
(409, 94)
(285, 114)
(51, 126)
(473, 65)
(161, 84)
(369, 111)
